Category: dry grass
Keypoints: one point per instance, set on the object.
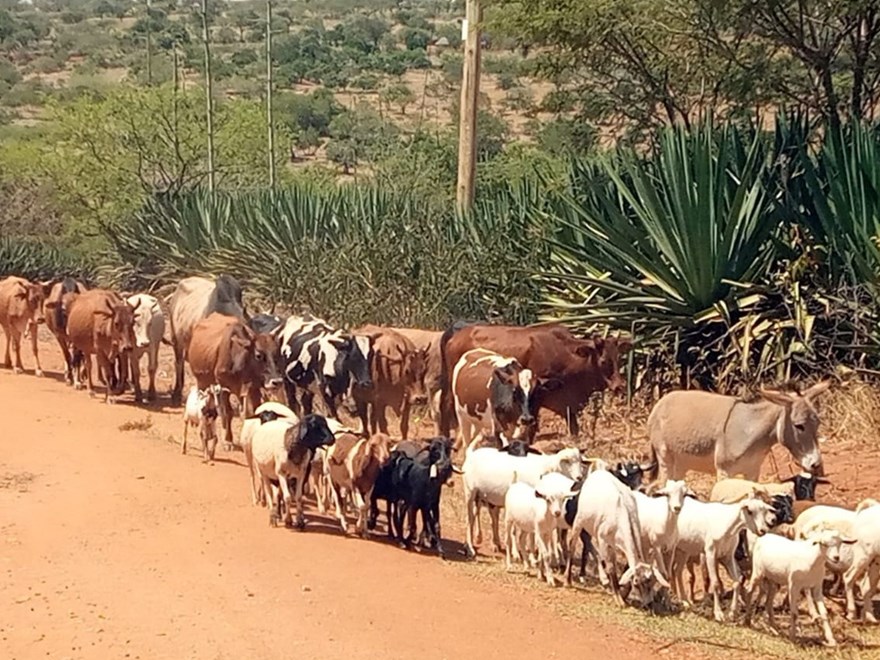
(137, 424)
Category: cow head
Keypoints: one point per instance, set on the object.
(267, 360)
(28, 300)
(355, 354)
(798, 424)
(144, 312)
(604, 355)
(415, 368)
(511, 390)
(118, 323)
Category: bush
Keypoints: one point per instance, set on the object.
(9, 73)
(243, 58)
(25, 93)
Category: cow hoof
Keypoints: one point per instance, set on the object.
(38, 373)
(18, 370)
(470, 553)
(300, 525)
(273, 520)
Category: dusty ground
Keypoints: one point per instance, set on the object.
(113, 545)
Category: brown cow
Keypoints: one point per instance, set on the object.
(224, 351)
(581, 366)
(352, 466)
(21, 308)
(100, 323)
(56, 309)
(397, 372)
(428, 341)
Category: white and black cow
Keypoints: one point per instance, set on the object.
(318, 358)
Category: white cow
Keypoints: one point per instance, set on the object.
(149, 327)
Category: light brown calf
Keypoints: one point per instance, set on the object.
(353, 465)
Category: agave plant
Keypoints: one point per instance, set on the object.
(668, 246)
(38, 260)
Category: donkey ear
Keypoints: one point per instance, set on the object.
(815, 390)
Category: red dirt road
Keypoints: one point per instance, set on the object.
(113, 545)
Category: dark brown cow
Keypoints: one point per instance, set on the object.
(100, 323)
(579, 366)
(56, 309)
(224, 351)
(21, 308)
(397, 372)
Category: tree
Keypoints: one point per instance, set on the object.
(399, 94)
(416, 39)
(243, 19)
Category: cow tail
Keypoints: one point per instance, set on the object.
(653, 472)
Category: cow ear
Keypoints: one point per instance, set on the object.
(587, 348)
(549, 384)
(47, 287)
(627, 576)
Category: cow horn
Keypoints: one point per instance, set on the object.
(648, 467)
(137, 304)
(457, 469)
(110, 306)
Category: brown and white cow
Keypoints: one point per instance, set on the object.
(580, 367)
(100, 323)
(397, 371)
(21, 307)
(494, 396)
(224, 351)
(194, 299)
(352, 465)
(428, 342)
(56, 309)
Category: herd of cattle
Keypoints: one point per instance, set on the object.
(488, 383)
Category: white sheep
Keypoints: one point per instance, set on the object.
(488, 473)
(711, 530)
(282, 450)
(531, 515)
(551, 484)
(265, 412)
(799, 566)
(658, 519)
(866, 560)
(200, 412)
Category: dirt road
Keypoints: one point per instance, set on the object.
(113, 545)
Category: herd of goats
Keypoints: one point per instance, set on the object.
(641, 523)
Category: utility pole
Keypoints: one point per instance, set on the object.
(149, 46)
(470, 95)
(209, 90)
(270, 125)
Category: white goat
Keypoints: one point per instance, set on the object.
(658, 519)
(554, 483)
(200, 412)
(799, 566)
(488, 473)
(530, 515)
(711, 530)
(735, 489)
(607, 511)
(265, 412)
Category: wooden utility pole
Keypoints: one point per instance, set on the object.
(270, 125)
(209, 93)
(149, 46)
(470, 95)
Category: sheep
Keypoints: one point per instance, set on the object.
(712, 529)
(532, 513)
(200, 411)
(488, 473)
(865, 561)
(265, 412)
(551, 484)
(607, 511)
(282, 450)
(825, 516)
(658, 515)
(798, 565)
(735, 489)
